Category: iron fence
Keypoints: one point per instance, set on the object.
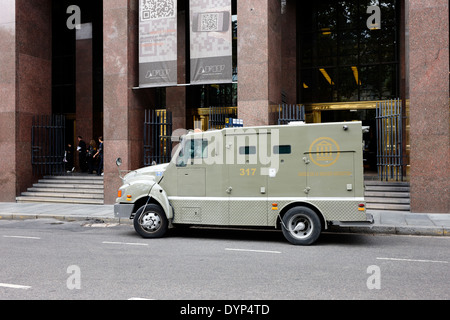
(218, 116)
(390, 161)
(47, 144)
(289, 113)
(157, 137)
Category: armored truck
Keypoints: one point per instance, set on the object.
(299, 178)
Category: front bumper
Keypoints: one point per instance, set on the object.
(123, 210)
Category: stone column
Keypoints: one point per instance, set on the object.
(8, 100)
(289, 51)
(176, 96)
(259, 60)
(25, 87)
(429, 105)
(123, 107)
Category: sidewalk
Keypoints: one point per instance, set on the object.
(385, 222)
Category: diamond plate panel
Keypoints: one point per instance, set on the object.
(332, 210)
(213, 212)
(248, 212)
(340, 210)
(256, 212)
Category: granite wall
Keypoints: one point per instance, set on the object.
(428, 71)
(123, 107)
(25, 86)
(259, 60)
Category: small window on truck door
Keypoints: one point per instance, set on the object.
(193, 149)
(286, 149)
(247, 150)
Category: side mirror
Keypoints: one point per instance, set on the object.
(118, 164)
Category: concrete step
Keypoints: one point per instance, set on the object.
(73, 195)
(382, 194)
(394, 196)
(389, 207)
(75, 176)
(387, 200)
(82, 189)
(68, 186)
(26, 199)
(72, 181)
(67, 190)
(387, 188)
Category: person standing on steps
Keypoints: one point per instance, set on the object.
(90, 155)
(82, 154)
(100, 156)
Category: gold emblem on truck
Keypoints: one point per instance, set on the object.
(324, 152)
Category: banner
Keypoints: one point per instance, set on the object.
(157, 43)
(211, 41)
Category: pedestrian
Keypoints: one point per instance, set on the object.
(92, 149)
(100, 156)
(82, 154)
(68, 158)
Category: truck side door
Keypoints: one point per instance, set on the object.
(247, 179)
(330, 169)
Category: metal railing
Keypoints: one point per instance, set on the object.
(47, 144)
(390, 162)
(157, 137)
(289, 113)
(218, 115)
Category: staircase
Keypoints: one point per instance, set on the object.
(393, 196)
(76, 189)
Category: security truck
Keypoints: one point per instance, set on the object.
(300, 178)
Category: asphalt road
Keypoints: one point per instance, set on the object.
(50, 259)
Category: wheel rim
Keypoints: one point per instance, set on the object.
(150, 221)
(300, 226)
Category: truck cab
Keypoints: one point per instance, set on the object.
(299, 178)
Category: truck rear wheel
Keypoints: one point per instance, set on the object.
(301, 226)
(150, 221)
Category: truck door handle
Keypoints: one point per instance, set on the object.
(229, 189)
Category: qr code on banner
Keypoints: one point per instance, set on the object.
(210, 22)
(157, 9)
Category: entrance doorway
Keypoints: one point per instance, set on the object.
(77, 68)
(344, 67)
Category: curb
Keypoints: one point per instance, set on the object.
(376, 229)
(395, 230)
(68, 218)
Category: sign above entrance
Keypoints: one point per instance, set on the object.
(157, 43)
(211, 41)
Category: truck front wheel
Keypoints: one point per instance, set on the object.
(150, 221)
(301, 226)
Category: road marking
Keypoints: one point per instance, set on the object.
(126, 243)
(412, 260)
(137, 298)
(22, 237)
(14, 286)
(248, 250)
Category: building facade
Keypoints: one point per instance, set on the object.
(339, 59)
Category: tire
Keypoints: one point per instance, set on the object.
(301, 226)
(150, 221)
